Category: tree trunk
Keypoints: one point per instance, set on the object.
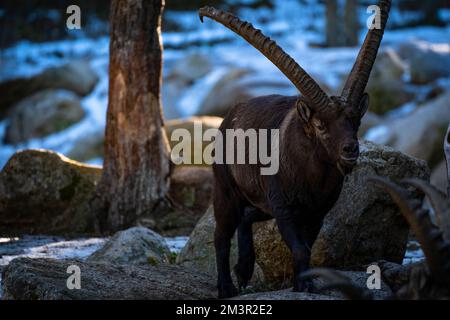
(351, 23)
(137, 164)
(332, 24)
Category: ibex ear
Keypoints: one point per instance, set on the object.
(304, 110)
(363, 105)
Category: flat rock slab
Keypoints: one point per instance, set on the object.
(46, 279)
(287, 294)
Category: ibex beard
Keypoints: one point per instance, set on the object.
(318, 146)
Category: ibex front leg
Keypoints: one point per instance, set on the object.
(291, 232)
(447, 156)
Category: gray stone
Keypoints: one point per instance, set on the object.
(286, 294)
(76, 76)
(421, 133)
(426, 63)
(191, 68)
(386, 87)
(41, 114)
(46, 279)
(365, 225)
(134, 246)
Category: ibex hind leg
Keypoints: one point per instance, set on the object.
(228, 209)
(246, 261)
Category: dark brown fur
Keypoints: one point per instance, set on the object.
(305, 188)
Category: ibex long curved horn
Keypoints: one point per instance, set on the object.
(435, 248)
(447, 157)
(269, 48)
(438, 202)
(359, 76)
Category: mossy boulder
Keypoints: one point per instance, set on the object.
(39, 190)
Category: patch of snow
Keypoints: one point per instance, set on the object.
(46, 247)
(402, 110)
(191, 101)
(378, 134)
(176, 244)
(414, 253)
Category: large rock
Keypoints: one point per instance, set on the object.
(44, 192)
(37, 187)
(386, 87)
(419, 134)
(426, 61)
(199, 252)
(46, 279)
(76, 76)
(41, 114)
(192, 67)
(364, 225)
(134, 246)
(286, 294)
(272, 254)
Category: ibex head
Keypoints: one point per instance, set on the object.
(334, 121)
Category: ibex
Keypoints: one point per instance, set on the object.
(427, 280)
(318, 147)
